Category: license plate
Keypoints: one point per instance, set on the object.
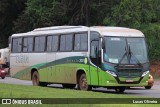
(129, 80)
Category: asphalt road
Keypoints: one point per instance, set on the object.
(154, 92)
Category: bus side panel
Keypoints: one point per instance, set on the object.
(67, 65)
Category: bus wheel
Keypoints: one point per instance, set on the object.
(120, 89)
(148, 87)
(71, 86)
(35, 78)
(82, 83)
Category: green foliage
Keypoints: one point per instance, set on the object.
(152, 33)
(9, 10)
(139, 14)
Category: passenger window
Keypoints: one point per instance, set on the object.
(81, 42)
(55, 43)
(30, 44)
(62, 43)
(25, 43)
(66, 42)
(17, 45)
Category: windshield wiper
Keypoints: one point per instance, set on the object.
(130, 54)
(125, 54)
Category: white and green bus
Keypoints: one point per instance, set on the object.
(99, 56)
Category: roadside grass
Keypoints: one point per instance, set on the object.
(21, 91)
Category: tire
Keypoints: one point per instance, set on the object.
(148, 87)
(35, 79)
(70, 86)
(120, 89)
(3, 77)
(43, 84)
(82, 83)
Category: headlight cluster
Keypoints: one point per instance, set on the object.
(112, 73)
(145, 73)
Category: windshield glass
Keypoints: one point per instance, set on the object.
(116, 50)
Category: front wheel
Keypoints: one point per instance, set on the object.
(148, 87)
(82, 83)
(120, 89)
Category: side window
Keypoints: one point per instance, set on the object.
(36, 45)
(84, 42)
(66, 42)
(69, 42)
(30, 44)
(16, 45)
(42, 42)
(49, 43)
(81, 42)
(39, 44)
(52, 43)
(77, 42)
(25, 44)
(19, 44)
(62, 43)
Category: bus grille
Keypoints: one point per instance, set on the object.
(129, 73)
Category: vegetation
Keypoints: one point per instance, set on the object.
(20, 91)
(25, 15)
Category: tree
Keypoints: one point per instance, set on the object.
(9, 10)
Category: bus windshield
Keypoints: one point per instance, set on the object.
(117, 50)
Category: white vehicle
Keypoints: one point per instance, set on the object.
(112, 57)
(4, 56)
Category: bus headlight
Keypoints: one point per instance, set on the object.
(145, 73)
(112, 73)
(3, 71)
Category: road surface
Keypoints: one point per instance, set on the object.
(154, 92)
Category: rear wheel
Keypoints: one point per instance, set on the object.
(35, 78)
(120, 89)
(82, 83)
(71, 86)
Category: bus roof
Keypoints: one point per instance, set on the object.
(103, 30)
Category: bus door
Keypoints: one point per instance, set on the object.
(95, 59)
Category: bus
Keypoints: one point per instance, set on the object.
(86, 57)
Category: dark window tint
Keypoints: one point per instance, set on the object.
(17, 45)
(81, 42)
